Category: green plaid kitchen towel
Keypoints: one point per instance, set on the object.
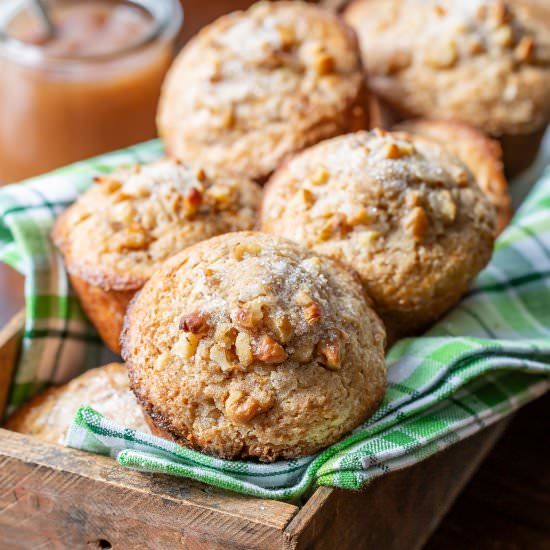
(485, 359)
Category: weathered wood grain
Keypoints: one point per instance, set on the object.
(54, 497)
(10, 338)
(396, 512)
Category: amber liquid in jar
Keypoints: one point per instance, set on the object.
(90, 89)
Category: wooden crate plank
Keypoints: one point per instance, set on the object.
(394, 512)
(55, 497)
(10, 341)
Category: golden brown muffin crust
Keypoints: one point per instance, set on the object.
(49, 414)
(256, 86)
(121, 230)
(401, 210)
(249, 345)
(482, 155)
(484, 62)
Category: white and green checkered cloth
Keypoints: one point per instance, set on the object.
(485, 359)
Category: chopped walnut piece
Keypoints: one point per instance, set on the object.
(242, 408)
(225, 334)
(243, 249)
(135, 238)
(307, 196)
(413, 198)
(227, 120)
(504, 37)
(218, 354)
(360, 217)
(321, 176)
(500, 14)
(124, 213)
(281, 327)
(398, 150)
(444, 56)
(192, 201)
(220, 195)
(109, 185)
(525, 49)
(367, 237)
(336, 224)
(312, 264)
(270, 351)
(440, 10)
(248, 316)
(417, 223)
(312, 313)
(194, 322)
(323, 63)
(330, 355)
(303, 352)
(398, 61)
(162, 361)
(476, 46)
(446, 206)
(303, 297)
(286, 36)
(244, 349)
(200, 175)
(186, 345)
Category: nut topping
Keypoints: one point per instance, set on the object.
(303, 353)
(248, 316)
(242, 408)
(270, 351)
(525, 49)
(281, 327)
(312, 313)
(192, 201)
(330, 355)
(218, 354)
(417, 223)
(186, 345)
(194, 322)
(244, 349)
(250, 249)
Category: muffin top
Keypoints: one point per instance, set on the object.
(49, 415)
(400, 209)
(254, 86)
(250, 345)
(485, 62)
(482, 155)
(120, 230)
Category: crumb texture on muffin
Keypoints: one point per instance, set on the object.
(256, 86)
(482, 155)
(120, 230)
(247, 345)
(401, 210)
(49, 415)
(485, 62)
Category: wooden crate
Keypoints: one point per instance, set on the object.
(53, 497)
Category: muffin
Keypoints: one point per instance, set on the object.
(49, 415)
(119, 231)
(483, 156)
(258, 85)
(400, 209)
(247, 345)
(483, 62)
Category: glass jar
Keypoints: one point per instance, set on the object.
(86, 94)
